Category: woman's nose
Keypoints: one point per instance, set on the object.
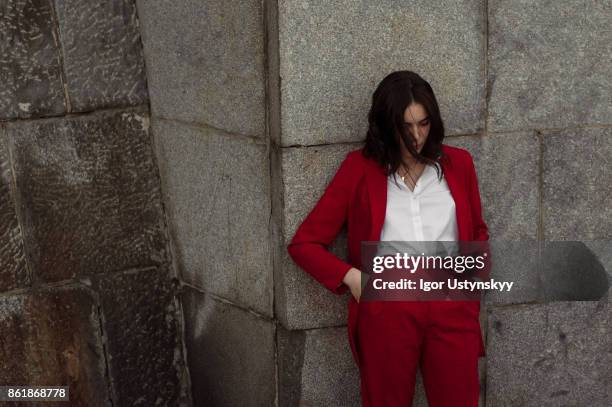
(416, 132)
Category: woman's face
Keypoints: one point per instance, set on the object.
(417, 125)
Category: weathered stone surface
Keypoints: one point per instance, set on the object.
(482, 366)
(550, 355)
(205, 62)
(88, 194)
(301, 302)
(577, 193)
(518, 262)
(507, 170)
(216, 189)
(571, 271)
(13, 267)
(102, 53)
(420, 398)
(602, 249)
(547, 271)
(142, 323)
(332, 56)
(549, 64)
(231, 353)
(51, 338)
(30, 70)
(316, 368)
(306, 173)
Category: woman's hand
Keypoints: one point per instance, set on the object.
(352, 279)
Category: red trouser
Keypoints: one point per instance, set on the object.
(395, 337)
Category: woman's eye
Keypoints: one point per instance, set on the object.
(425, 123)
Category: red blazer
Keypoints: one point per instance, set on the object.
(357, 196)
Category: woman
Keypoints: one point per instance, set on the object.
(436, 199)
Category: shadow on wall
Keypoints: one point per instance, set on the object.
(571, 271)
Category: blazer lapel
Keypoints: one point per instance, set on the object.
(377, 193)
(458, 194)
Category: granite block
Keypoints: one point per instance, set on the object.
(52, 337)
(549, 64)
(217, 196)
(316, 368)
(30, 68)
(549, 355)
(102, 53)
(301, 302)
(576, 192)
(332, 56)
(13, 268)
(88, 194)
(205, 62)
(142, 324)
(231, 353)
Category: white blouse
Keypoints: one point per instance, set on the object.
(425, 214)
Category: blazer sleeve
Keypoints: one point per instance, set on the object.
(309, 246)
(481, 231)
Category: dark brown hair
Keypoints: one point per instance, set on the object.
(386, 121)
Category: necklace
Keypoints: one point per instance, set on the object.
(408, 175)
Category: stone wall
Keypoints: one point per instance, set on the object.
(88, 291)
(255, 103)
(206, 71)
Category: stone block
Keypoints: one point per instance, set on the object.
(88, 194)
(51, 337)
(332, 56)
(13, 267)
(549, 355)
(216, 189)
(548, 64)
(301, 302)
(102, 53)
(507, 171)
(306, 173)
(30, 69)
(576, 193)
(231, 353)
(142, 324)
(316, 368)
(205, 62)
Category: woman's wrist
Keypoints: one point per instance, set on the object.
(351, 275)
